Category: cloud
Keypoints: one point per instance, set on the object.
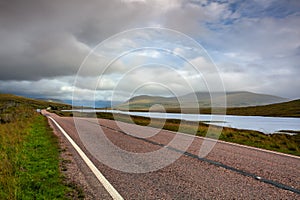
(255, 44)
(52, 88)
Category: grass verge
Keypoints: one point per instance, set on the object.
(29, 160)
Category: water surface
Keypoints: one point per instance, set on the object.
(266, 125)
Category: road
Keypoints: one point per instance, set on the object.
(228, 172)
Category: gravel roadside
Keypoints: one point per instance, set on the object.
(76, 172)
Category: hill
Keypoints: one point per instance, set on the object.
(286, 109)
(203, 99)
(11, 106)
(9, 99)
(235, 99)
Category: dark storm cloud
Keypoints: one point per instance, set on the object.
(42, 41)
(51, 38)
(34, 43)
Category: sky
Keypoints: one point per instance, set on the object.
(52, 48)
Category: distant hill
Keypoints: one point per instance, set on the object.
(286, 109)
(12, 106)
(234, 99)
(145, 101)
(8, 100)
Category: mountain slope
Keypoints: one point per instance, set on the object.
(9, 100)
(286, 109)
(234, 99)
(12, 106)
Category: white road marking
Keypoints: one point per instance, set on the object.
(107, 185)
(239, 145)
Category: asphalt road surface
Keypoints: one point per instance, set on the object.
(229, 171)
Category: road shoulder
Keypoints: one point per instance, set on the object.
(76, 172)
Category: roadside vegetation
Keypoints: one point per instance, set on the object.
(284, 143)
(29, 153)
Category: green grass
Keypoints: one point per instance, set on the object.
(38, 162)
(29, 156)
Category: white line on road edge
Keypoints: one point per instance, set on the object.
(110, 189)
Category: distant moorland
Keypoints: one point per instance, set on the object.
(203, 99)
(286, 109)
(282, 109)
